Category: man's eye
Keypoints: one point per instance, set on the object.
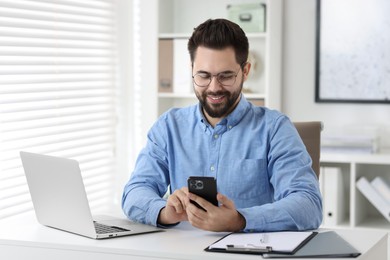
(204, 75)
(225, 76)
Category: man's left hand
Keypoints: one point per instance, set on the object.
(224, 218)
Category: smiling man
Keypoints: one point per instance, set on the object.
(264, 175)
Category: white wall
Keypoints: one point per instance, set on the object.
(298, 84)
(137, 82)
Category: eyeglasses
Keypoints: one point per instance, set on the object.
(226, 79)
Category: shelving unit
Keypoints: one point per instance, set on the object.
(176, 20)
(360, 213)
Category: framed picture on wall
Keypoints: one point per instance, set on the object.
(353, 51)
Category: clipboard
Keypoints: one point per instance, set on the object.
(324, 245)
(285, 242)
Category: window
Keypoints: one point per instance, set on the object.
(58, 96)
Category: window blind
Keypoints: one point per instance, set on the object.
(57, 92)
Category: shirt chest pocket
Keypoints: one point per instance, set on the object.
(246, 179)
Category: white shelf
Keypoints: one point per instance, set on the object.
(174, 36)
(343, 225)
(192, 95)
(375, 158)
(360, 212)
(374, 223)
(176, 95)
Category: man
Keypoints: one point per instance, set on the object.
(263, 171)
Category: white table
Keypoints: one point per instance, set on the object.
(22, 237)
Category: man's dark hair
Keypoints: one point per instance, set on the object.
(219, 34)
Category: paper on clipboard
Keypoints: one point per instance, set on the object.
(282, 242)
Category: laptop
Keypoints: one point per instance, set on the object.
(60, 200)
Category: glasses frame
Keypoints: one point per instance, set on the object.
(216, 76)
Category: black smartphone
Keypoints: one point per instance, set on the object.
(205, 187)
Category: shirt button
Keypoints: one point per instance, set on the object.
(216, 136)
(230, 127)
(212, 168)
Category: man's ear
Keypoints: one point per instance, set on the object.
(246, 70)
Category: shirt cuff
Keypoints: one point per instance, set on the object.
(165, 225)
(252, 224)
(154, 211)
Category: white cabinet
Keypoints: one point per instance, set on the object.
(359, 212)
(176, 21)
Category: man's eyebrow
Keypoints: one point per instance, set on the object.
(207, 72)
(203, 71)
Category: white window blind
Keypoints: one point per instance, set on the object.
(57, 92)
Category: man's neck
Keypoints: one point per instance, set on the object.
(213, 121)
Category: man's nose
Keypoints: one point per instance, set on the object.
(214, 84)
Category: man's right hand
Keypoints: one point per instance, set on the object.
(175, 209)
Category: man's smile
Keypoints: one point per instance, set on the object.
(216, 99)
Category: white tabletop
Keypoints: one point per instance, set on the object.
(181, 242)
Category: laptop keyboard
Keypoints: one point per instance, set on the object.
(104, 229)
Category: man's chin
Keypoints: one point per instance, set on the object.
(215, 112)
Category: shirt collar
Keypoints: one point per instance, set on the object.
(231, 120)
(238, 113)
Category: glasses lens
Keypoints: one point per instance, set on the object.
(227, 79)
(202, 79)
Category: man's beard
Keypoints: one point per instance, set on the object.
(219, 110)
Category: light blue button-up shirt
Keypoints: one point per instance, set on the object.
(255, 154)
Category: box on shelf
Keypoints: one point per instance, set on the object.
(350, 140)
(349, 144)
(251, 17)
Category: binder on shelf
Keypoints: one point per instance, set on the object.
(333, 195)
(182, 71)
(373, 196)
(165, 65)
(174, 67)
(382, 187)
(286, 242)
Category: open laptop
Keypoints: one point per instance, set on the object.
(60, 201)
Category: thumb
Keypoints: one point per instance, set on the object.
(224, 201)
